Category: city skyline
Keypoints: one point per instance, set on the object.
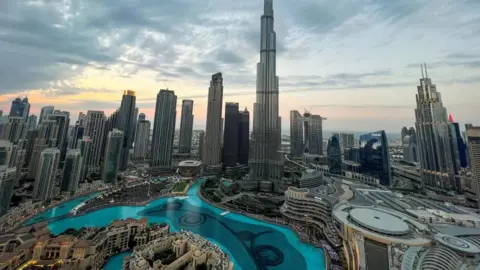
(135, 50)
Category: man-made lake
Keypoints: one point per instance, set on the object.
(252, 244)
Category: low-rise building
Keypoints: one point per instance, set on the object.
(182, 250)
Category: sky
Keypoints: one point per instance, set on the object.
(355, 62)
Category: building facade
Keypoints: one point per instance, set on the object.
(186, 127)
(213, 131)
(296, 133)
(142, 140)
(72, 171)
(45, 111)
(266, 163)
(126, 123)
(243, 136)
(375, 157)
(313, 134)
(112, 159)
(163, 129)
(95, 130)
(473, 140)
(437, 169)
(334, 156)
(46, 174)
(20, 108)
(8, 176)
(230, 135)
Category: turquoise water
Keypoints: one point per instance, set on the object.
(115, 262)
(252, 244)
(59, 210)
(226, 183)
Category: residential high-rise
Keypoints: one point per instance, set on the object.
(62, 120)
(20, 108)
(32, 122)
(142, 139)
(243, 136)
(461, 157)
(213, 131)
(141, 117)
(436, 160)
(72, 171)
(7, 181)
(163, 129)
(201, 145)
(296, 133)
(14, 129)
(82, 119)
(409, 145)
(94, 129)
(85, 145)
(266, 162)
(126, 123)
(186, 127)
(46, 137)
(113, 152)
(45, 112)
(230, 135)
(46, 174)
(6, 149)
(78, 131)
(313, 133)
(473, 141)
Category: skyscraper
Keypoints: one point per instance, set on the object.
(20, 107)
(47, 171)
(142, 139)
(296, 133)
(243, 136)
(60, 136)
(72, 171)
(230, 135)
(32, 122)
(14, 129)
(436, 160)
(473, 140)
(45, 112)
(94, 129)
(7, 181)
(313, 133)
(213, 132)
(163, 129)
(334, 156)
(375, 156)
(113, 152)
(186, 127)
(85, 146)
(126, 123)
(78, 131)
(459, 143)
(141, 117)
(266, 163)
(201, 145)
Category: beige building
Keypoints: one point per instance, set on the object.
(183, 250)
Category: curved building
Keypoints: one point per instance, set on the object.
(190, 168)
(334, 154)
(312, 209)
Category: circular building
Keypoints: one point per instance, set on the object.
(372, 235)
(190, 168)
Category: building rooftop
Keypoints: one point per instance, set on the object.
(189, 163)
(380, 221)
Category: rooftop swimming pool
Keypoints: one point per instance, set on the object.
(252, 244)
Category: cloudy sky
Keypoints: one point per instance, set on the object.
(355, 62)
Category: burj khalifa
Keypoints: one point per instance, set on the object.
(265, 161)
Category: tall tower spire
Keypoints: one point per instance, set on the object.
(423, 75)
(266, 163)
(426, 72)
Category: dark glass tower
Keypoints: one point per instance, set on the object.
(186, 127)
(230, 135)
(334, 156)
(243, 136)
(20, 107)
(126, 123)
(374, 156)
